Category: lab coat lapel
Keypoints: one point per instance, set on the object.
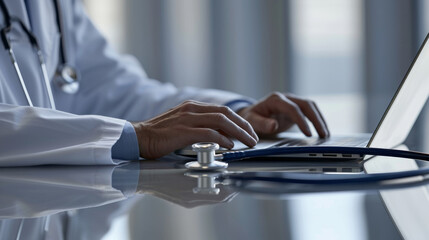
(44, 27)
(17, 8)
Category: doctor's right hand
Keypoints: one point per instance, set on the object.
(192, 122)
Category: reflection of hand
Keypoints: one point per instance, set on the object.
(189, 123)
(278, 112)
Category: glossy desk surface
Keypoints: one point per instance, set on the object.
(161, 200)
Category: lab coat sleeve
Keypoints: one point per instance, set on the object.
(36, 136)
(117, 86)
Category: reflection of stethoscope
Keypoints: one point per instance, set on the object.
(274, 183)
(206, 161)
(66, 76)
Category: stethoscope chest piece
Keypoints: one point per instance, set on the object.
(67, 79)
(206, 158)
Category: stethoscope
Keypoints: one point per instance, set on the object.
(207, 161)
(66, 76)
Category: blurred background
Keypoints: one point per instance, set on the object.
(347, 55)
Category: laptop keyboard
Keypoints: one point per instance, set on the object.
(335, 141)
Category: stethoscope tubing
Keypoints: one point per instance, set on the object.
(44, 71)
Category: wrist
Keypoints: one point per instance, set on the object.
(138, 128)
(144, 137)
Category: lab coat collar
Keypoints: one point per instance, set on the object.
(18, 9)
(43, 21)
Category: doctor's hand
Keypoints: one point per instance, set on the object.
(278, 112)
(189, 123)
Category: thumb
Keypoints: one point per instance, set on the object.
(262, 124)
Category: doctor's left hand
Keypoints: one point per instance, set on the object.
(192, 122)
(278, 112)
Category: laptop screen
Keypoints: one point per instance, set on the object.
(406, 104)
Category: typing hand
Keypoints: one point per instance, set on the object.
(278, 112)
(189, 123)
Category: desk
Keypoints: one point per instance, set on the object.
(160, 200)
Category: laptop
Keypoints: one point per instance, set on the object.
(392, 130)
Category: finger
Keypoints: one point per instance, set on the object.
(312, 114)
(220, 122)
(199, 107)
(262, 124)
(323, 119)
(208, 135)
(240, 121)
(167, 140)
(310, 111)
(282, 105)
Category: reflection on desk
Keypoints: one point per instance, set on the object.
(161, 200)
(46, 200)
(42, 202)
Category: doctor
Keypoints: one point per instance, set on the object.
(66, 97)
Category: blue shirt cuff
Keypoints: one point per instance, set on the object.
(127, 147)
(125, 178)
(238, 104)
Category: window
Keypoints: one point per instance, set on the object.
(327, 46)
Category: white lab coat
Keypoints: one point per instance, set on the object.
(113, 88)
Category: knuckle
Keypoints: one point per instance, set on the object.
(225, 109)
(294, 108)
(291, 95)
(309, 105)
(277, 95)
(278, 98)
(189, 102)
(220, 117)
(307, 102)
(188, 106)
(184, 114)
